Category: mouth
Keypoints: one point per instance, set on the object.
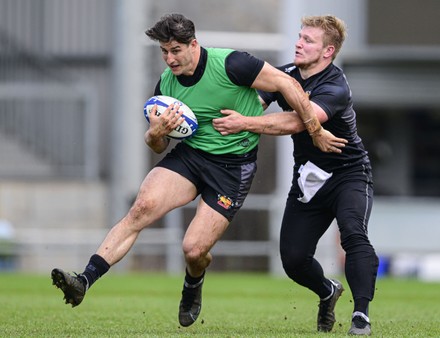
(173, 67)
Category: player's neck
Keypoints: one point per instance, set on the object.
(310, 70)
(195, 61)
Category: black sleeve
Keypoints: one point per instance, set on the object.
(243, 68)
(269, 97)
(157, 89)
(333, 95)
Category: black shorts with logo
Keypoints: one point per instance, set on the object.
(223, 181)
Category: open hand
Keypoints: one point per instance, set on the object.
(327, 142)
(162, 124)
(232, 122)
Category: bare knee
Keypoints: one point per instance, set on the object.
(191, 251)
(195, 254)
(141, 213)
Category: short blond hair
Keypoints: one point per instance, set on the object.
(334, 29)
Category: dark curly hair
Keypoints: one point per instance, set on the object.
(172, 27)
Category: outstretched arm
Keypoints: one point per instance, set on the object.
(282, 123)
(273, 80)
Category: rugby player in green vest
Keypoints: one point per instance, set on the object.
(217, 168)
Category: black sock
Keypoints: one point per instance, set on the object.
(193, 280)
(94, 270)
(330, 290)
(361, 305)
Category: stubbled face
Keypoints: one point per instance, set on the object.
(179, 57)
(309, 49)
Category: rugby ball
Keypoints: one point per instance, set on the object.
(189, 125)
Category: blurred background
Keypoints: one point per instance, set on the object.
(74, 75)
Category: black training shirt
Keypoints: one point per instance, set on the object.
(328, 89)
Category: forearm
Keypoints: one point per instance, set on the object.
(299, 100)
(157, 143)
(273, 80)
(282, 123)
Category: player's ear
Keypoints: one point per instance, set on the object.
(329, 51)
(194, 43)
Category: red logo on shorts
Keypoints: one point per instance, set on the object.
(225, 202)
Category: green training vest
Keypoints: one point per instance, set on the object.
(213, 92)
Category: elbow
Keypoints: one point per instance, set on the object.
(157, 150)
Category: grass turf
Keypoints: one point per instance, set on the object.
(234, 305)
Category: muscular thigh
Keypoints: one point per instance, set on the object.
(222, 180)
(163, 190)
(205, 229)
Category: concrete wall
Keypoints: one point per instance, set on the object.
(47, 217)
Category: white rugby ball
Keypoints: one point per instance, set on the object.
(189, 125)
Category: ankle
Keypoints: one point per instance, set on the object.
(84, 281)
(332, 287)
(193, 280)
(362, 315)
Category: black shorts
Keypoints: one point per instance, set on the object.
(223, 181)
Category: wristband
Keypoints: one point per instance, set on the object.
(312, 125)
(316, 131)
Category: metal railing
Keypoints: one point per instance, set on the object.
(56, 124)
(48, 116)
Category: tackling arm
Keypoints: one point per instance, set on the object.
(271, 79)
(280, 123)
(283, 123)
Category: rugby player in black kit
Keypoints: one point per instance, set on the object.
(325, 186)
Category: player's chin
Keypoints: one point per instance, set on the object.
(298, 61)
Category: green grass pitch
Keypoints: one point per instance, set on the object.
(234, 305)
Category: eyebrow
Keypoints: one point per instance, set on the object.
(306, 36)
(175, 48)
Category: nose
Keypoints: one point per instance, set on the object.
(168, 58)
